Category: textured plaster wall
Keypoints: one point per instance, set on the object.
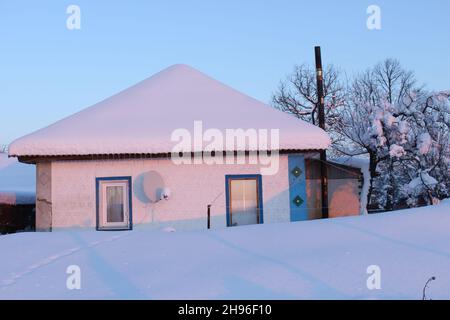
(193, 187)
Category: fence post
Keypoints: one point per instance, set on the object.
(209, 216)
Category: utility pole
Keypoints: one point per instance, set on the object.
(323, 153)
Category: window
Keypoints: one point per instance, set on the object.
(114, 203)
(244, 200)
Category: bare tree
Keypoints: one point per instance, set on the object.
(392, 81)
(297, 94)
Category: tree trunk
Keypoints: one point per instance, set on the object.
(391, 188)
(373, 162)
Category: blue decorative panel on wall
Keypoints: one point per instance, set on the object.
(297, 188)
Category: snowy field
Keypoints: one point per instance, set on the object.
(325, 259)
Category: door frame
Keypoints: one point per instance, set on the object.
(259, 191)
(97, 202)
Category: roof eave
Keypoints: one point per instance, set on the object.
(33, 159)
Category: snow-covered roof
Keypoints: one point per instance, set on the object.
(141, 119)
(17, 181)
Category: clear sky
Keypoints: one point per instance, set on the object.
(48, 72)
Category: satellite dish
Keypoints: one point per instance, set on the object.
(153, 185)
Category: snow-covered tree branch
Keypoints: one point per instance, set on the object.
(382, 113)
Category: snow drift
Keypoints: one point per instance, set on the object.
(324, 259)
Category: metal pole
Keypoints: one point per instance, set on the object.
(209, 216)
(323, 153)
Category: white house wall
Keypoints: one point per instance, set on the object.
(193, 187)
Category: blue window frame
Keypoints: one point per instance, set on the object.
(98, 182)
(228, 204)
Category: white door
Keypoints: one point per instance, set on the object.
(114, 205)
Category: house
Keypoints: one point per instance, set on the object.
(17, 195)
(163, 151)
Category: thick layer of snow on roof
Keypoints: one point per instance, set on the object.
(142, 118)
(322, 259)
(362, 163)
(17, 181)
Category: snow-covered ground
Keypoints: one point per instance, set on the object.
(324, 259)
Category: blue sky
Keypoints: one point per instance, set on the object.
(48, 72)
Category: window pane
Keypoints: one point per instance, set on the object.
(244, 202)
(114, 204)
